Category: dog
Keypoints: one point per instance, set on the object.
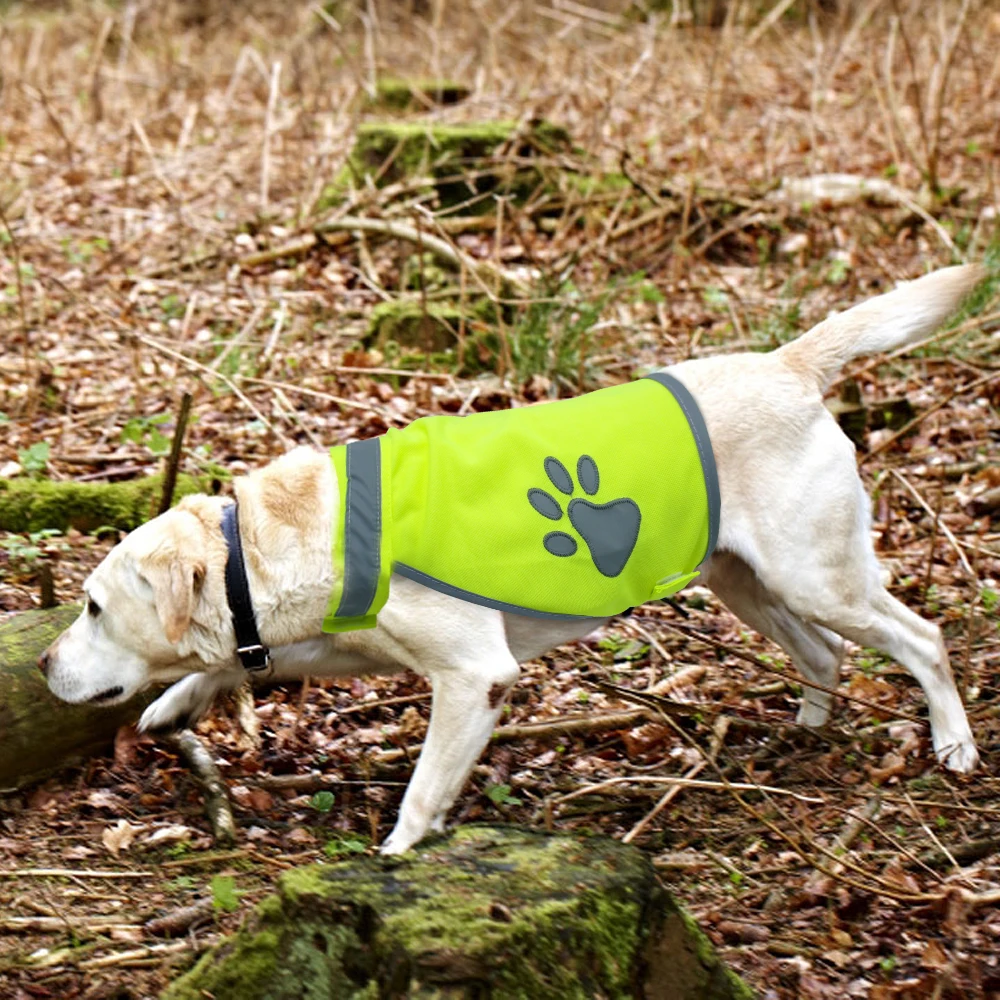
(794, 561)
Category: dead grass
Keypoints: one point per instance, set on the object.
(147, 148)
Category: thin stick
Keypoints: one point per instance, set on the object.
(22, 309)
(665, 800)
(174, 458)
(693, 633)
(906, 428)
(483, 270)
(742, 786)
(69, 873)
(191, 363)
(946, 531)
(265, 156)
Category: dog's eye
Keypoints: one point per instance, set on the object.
(93, 608)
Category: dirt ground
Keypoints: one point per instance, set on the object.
(161, 167)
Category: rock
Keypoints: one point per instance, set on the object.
(419, 331)
(486, 912)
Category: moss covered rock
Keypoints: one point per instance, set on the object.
(396, 94)
(39, 733)
(459, 161)
(409, 332)
(486, 912)
(36, 504)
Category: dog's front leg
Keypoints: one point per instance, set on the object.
(466, 702)
(185, 702)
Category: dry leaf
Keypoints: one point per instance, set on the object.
(119, 837)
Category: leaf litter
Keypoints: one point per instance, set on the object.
(151, 151)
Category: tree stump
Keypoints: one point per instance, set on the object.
(39, 733)
(486, 912)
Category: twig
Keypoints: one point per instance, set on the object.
(665, 800)
(293, 248)
(685, 783)
(22, 309)
(137, 955)
(339, 400)
(485, 271)
(238, 340)
(946, 531)
(69, 873)
(400, 372)
(693, 633)
(56, 925)
(265, 156)
(582, 725)
(174, 458)
(200, 761)
(179, 920)
(198, 366)
(920, 418)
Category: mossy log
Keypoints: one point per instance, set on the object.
(39, 733)
(487, 912)
(460, 160)
(396, 94)
(35, 504)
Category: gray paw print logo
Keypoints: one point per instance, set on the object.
(609, 529)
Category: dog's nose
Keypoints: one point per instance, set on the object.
(44, 662)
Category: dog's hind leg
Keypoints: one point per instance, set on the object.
(470, 678)
(886, 624)
(815, 651)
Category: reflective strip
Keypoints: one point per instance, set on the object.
(487, 602)
(362, 528)
(687, 403)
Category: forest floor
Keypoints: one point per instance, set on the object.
(162, 164)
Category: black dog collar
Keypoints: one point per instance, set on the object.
(253, 654)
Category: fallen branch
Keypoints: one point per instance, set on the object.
(489, 274)
(180, 920)
(203, 767)
(575, 726)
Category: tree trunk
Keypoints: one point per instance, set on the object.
(39, 733)
(491, 913)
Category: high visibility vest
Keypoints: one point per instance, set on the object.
(580, 508)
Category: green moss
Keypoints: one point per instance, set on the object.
(396, 94)
(459, 161)
(486, 912)
(414, 334)
(35, 504)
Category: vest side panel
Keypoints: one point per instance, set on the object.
(578, 509)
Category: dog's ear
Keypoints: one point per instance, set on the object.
(176, 580)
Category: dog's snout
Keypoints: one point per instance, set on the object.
(44, 662)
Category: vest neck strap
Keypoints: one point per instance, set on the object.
(253, 654)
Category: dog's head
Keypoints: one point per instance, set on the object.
(152, 611)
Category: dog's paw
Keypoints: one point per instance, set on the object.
(813, 715)
(960, 757)
(180, 706)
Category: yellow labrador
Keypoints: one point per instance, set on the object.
(794, 560)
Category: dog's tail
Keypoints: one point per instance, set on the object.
(885, 323)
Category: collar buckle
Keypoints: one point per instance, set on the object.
(255, 658)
